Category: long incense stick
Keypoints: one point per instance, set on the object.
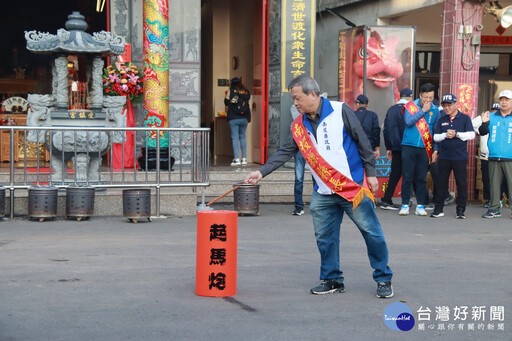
(223, 195)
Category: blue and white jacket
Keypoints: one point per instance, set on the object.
(499, 129)
(340, 140)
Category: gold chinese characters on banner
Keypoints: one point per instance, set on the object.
(298, 39)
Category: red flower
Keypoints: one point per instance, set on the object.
(112, 85)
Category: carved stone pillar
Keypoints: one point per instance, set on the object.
(61, 68)
(96, 83)
(54, 80)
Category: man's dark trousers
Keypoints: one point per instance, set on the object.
(394, 176)
(414, 170)
(459, 169)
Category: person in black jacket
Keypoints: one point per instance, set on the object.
(393, 131)
(370, 123)
(452, 132)
(239, 116)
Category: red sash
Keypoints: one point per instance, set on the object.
(331, 177)
(422, 126)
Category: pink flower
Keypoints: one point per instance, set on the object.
(133, 78)
(114, 78)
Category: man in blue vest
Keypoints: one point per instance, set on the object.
(415, 151)
(339, 154)
(452, 132)
(499, 127)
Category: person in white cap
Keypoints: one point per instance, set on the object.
(499, 127)
(483, 156)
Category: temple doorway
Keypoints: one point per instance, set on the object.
(234, 44)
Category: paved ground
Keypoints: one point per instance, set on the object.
(108, 279)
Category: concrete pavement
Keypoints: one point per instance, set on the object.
(109, 279)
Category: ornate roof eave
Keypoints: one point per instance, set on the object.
(75, 41)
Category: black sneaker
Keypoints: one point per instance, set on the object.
(460, 214)
(388, 206)
(448, 200)
(329, 286)
(298, 211)
(437, 213)
(492, 214)
(384, 290)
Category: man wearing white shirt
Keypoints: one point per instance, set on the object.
(452, 132)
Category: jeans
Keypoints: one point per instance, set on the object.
(394, 176)
(300, 163)
(327, 212)
(414, 169)
(238, 127)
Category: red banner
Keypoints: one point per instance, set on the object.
(337, 182)
(465, 102)
(422, 128)
(496, 40)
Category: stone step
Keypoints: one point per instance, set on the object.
(263, 198)
(239, 175)
(265, 185)
(276, 187)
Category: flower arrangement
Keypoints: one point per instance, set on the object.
(121, 79)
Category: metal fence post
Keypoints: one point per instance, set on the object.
(11, 176)
(157, 197)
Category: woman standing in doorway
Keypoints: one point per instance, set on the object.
(239, 115)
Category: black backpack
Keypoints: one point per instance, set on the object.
(242, 105)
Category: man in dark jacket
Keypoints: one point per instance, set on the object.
(452, 132)
(370, 123)
(393, 131)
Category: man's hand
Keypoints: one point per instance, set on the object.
(389, 154)
(373, 183)
(435, 156)
(254, 177)
(450, 134)
(426, 107)
(376, 153)
(485, 116)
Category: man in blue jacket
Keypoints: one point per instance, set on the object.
(393, 131)
(370, 123)
(499, 127)
(417, 147)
